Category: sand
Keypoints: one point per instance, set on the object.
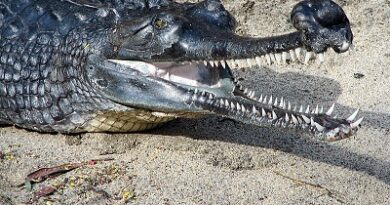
(217, 161)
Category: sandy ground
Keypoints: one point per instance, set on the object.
(217, 161)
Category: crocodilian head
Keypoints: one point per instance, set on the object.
(177, 58)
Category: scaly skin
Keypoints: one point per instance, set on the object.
(124, 65)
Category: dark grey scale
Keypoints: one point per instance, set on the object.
(27, 101)
(20, 102)
(4, 57)
(13, 108)
(48, 100)
(47, 85)
(16, 75)
(25, 73)
(11, 90)
(26, 116)
(56, 113)
(33, 88)
(41, 88)
(65, 106)
(34, 74)
(47, 117)
(3, 90)
(19, 87)
(2, 71)
(34, 102)
(38, 117)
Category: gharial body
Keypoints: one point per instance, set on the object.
(75, 66)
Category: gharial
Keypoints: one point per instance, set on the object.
(74, 66)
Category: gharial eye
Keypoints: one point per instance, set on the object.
(160, 23)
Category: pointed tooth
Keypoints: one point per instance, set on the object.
(274, 116)
(294, 119)
(281, 103)
(260, 98)
(258, 61)
(321, 57)
(289, 105)
(292, 55)
(307, 109)
(232, 105)
(253, 94)
(308, 56)
(357, 123)
(222, 102)
(301, 109)
(287, 118)
(226, 103)
(263, 113)
(298, 52)
(254, 110)
(223, 63)
(246, 91)
(330, 111)
(319, 127)
(316, 110)
(306, 119)
(211, 63)
(312, 123)
(352, 117)
(270, 100)
(205, 63)
(278, 58)
(238, 106)
(284, 57)
(276, 102)
(216, 63)
(265, 100)
(268, 58)
(272, 56)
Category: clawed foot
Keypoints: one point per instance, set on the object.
(324, 25)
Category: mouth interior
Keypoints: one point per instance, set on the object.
(184, 73)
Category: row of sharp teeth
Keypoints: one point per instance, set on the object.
(287, 105)
(295, 55)
(296, 119)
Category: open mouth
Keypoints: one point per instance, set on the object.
(210, 87)
(199, 75)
